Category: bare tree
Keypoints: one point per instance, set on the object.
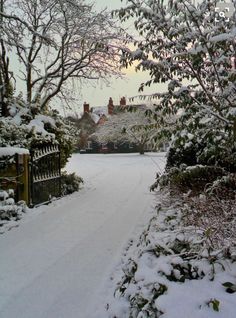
(57, 42)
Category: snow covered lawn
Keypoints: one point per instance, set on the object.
(53, 264)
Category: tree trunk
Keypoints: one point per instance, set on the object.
(234, 129)
(5, 82)
(28, 84)
(141, 149)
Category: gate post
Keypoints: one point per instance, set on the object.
(23, 173)
(14, 171)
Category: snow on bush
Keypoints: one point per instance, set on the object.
(214, 211)
(70, 183)
(25, 130)
(193, 178)
(171, 272)
(10, 212)
(192, 56)
(183, 263)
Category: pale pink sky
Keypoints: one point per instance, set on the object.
(97, 94)
(128, 87)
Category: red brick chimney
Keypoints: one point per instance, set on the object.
(110, 106)
(122, 102)
(86, 108)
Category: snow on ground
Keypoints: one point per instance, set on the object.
(53, 264)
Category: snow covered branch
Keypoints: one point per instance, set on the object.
(180, 43)
(58, 41)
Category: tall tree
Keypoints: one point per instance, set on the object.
(57, 42)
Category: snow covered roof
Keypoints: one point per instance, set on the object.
(100, 110)
(95, 117)
(97, 112)
(11, 151)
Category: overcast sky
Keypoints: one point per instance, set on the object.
(128, 87)
(98, 94)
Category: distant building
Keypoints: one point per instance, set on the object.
(92, 117)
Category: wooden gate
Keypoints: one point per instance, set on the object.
(45, 174)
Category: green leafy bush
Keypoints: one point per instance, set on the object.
(27, 129)
(202, 145)
(70, 183)
(190, 178)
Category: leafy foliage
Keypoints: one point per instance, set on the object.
(230, 287)
(188, 178)
(70, 183)
(183, 48)
(169, 253)
(204, 144)
(215, 304)
(22, 129)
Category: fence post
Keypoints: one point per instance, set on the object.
(23, 177)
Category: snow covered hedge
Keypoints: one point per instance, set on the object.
(10, 212)
(172, 270)
(25, 129)
(204, 145)
(183, 264)
(70, 183)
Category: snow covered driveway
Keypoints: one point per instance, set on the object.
(52, 265)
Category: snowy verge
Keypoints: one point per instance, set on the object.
(170, 272)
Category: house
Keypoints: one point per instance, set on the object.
(92, 117)
(87, 124)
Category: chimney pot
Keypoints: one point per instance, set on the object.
(86, 107)
(110, 106)
(123, 102)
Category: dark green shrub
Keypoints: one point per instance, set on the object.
(191, 178)
(70, 183)
(205, 147)
(178, 156)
